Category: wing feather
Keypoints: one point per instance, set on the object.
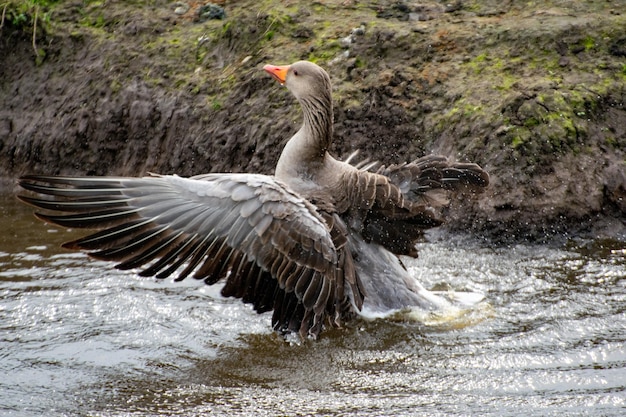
(393, 205)
(272, 246)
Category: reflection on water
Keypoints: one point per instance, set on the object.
(80, 338)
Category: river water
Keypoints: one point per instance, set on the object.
(78, 337)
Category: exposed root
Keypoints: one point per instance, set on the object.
(35, 32)
(4, 13)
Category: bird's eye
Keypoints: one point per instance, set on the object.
(295, 72)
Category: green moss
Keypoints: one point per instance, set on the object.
(324, 52)
(588, 43)
(519, 138)
(99, 21)
(452, 112)
(481, 58)
(471, 109)
(477, 64)
(226, 27)
(497, 65)
(501, 69)
(531, 122)
(611, 141)
(516, 142)
(562, 121)
(216, 105)
(505, 81)
(115, 86)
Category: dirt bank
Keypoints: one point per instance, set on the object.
(535, 94)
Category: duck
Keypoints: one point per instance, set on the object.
(319, 243)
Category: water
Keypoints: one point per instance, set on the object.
(80, 338)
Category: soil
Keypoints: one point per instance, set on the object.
(532, 91)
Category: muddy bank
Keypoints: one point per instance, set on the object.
(534, 94)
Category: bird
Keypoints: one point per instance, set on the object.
(318, 243)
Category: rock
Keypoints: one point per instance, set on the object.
(340, 57)
(398, 10)
(453, 7)
(180, 7)
(346, 42)
(360, 31)
(351, 38)
(303, 33)
(618, 47)
(211, 11)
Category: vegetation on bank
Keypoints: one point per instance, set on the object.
(31, 17)
(538, 88)
(523, 88)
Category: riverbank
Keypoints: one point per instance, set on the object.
(534, 94)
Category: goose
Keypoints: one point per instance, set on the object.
(318, 243)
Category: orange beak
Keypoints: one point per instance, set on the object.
(277, 71)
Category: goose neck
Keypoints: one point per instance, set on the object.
(317, 126)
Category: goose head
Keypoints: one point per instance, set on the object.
(310, 84)
(304, 79)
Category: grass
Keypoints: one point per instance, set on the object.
(29, 16)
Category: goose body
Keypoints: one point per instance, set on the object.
(317, 243)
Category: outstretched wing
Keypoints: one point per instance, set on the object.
(400, 201)
(273, 247)
(428, 179)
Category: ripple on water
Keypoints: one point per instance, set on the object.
(80, 338)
